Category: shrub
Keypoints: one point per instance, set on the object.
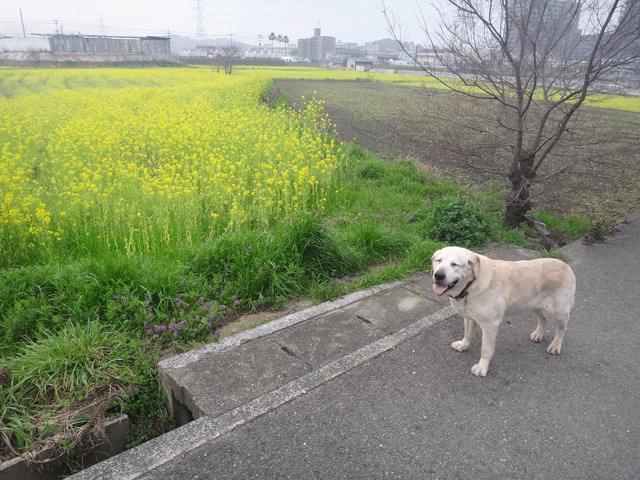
(457, 222)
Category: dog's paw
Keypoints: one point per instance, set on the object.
(554, 349)
(479, 370)
(537, 336)
(460, 346)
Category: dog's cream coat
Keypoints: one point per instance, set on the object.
(483, 291)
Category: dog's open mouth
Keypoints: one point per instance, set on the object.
(442, 289)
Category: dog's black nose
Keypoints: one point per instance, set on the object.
(439, 276)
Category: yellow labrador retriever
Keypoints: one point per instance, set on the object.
(483, 291)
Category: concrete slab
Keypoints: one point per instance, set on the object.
(218, 383)
(327, 337)
(392, 310)
(233, 341)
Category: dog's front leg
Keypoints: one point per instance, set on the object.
(469, 330)
(489, 334)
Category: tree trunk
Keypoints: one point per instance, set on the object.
(521, 180)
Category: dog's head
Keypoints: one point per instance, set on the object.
(452, 268)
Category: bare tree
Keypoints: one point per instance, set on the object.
(528, 68)
(226, 57)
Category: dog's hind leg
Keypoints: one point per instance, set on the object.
(537, 335)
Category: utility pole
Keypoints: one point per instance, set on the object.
(24, 34)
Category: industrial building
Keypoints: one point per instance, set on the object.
(86, 48)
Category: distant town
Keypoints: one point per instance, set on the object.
(272, 49)
(315, 49)
(385, 55)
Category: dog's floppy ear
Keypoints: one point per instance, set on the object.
(431, 271)
(474, 262)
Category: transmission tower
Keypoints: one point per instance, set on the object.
(102, 28)
(200, 20)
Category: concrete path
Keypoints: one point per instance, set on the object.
(368, 387)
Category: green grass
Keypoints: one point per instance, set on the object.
(572, 225)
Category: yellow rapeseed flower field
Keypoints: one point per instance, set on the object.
(143, 160)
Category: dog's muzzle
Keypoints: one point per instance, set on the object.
(440, 288)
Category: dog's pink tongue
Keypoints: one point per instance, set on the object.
(439, 289)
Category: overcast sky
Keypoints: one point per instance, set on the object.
(348, 20)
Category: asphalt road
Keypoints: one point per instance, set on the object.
(417, 412)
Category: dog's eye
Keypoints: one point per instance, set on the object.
(454, 264)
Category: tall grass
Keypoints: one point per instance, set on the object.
(61, 367)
